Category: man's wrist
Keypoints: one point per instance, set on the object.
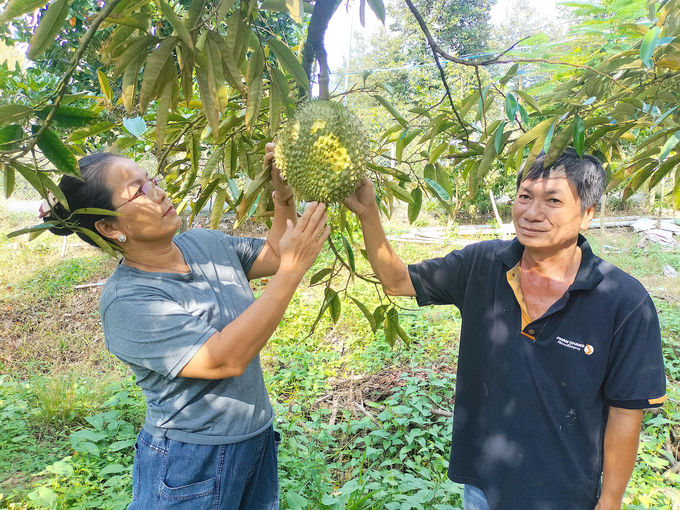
(283, 202)
(371, 213)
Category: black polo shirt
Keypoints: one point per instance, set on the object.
(531, 405)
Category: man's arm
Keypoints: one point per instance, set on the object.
(387, 266)
(621, 438)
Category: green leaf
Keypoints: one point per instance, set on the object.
(295, 500)
(217, 209)
(232, 73)
(135, 126)
(238, 36)
(438, 151)
(194, 12)
(99, 127)
(669, 146)
(104, 85)
(162, 113)
(279, 81)
(350, 253)
(197, 207)
(56, 152)
(9, 179)
(406, 137)
(108, 248)
(174, 20)
(43, 497)
(523, 113)
(56, 190)
(97, 211)
(28, 173)
(414, 207)
(225, 7)
(289, 62)
(130, 82)
(510, 106)
(367, 314)
(538, 130)
(438, 189)
(333, 304)
(255, 87)
(49, 27)
(10, 137)
(579, 135)
(498, 138)
(320, 275)
(648, 45)
(442, 177)
(390, 329)
(16, 8)
(134, 48)
(69, 116)
(41, 227)
(362, 14)
(213, 160)
(13, 113)
(399, 192)
(548, 139)
(390, 108)
(529, 100)
(379, 312)
(512, 72)
(378, 7)
(153, 70)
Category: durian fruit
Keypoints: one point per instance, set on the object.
(323, 151)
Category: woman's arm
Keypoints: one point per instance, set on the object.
(267, 262)
(229, 352)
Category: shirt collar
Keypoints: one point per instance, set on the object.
(588, 276)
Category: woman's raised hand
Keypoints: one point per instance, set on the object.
(282, 188)
(301, 244)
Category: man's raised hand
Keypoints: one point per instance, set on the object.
(362, 200)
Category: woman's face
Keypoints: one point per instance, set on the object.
(145, 220)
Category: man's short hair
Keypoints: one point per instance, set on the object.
(586, 173)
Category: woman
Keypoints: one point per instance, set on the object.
(179, 311)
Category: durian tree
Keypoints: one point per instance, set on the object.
(205, 84)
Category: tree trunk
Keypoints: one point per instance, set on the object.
(314, 46)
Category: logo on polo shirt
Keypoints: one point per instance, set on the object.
(232, 282)
(586, 348)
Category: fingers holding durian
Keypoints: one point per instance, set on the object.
(362, 200)
(301, 244)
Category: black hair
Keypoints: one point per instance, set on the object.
(90, 191)
(586, 173)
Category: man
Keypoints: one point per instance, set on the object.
(559, 351)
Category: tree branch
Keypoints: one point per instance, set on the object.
(496, 60)
(73, 65)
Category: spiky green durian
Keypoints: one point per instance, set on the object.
(323, 151)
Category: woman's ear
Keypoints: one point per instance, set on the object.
(108, 229)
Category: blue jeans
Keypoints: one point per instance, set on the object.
(474, 499)
(171, 475)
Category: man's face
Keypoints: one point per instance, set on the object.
(547, 214)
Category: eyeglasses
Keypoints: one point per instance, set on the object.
(149, 189)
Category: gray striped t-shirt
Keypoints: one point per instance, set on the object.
(156, 322)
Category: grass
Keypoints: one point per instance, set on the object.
(364, 424)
